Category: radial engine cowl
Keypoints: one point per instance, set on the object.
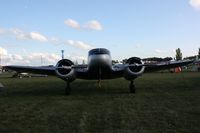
(64, 69)
(132, 72)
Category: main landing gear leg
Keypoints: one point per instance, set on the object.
(68, 89)
(99, 83)
(132, 87)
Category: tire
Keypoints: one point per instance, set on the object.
(132, 88)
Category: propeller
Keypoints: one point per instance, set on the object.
(64, 67)
(136, 65)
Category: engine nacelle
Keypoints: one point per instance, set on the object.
(132, 72)
(65, 71)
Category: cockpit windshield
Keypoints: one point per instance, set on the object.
(99, 51)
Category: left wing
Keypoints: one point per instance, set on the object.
(153, 67)
(168, 65)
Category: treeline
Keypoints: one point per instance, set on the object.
(150, 59)
(191, 57)
(178, 57)
(158, 59)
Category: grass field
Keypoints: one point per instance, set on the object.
(163, 103)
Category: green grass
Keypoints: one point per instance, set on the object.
(163, 103)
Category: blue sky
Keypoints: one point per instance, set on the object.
(35, 29)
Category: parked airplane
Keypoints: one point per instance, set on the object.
(99, 67)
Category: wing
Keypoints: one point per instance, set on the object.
(164, 66)
(154, 67)
(47, 70)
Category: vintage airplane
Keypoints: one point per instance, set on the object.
(99, 67)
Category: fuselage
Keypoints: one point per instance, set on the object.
(99, 63)
(99, 66)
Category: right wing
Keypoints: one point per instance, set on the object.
(47, 70)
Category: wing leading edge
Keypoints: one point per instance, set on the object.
(47, 70)
(154, 67)
(164, 66)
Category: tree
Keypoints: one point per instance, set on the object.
(157, 59)
(115, 62)
(124, 61)
(199, 54)
(167, 59)
(178, 54)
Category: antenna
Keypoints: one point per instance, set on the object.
(62, 52)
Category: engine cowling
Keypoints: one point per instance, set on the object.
(132, 72)
(64, 70)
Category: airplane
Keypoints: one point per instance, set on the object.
(99, 67)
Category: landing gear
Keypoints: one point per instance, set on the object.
(132, 87)
(68, 89)
(99, 83)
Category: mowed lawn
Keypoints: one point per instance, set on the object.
(163, 103)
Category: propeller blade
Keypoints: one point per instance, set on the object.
(65, 67)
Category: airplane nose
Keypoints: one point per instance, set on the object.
(99, 60)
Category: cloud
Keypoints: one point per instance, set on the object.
(158, 51)
(72, 23)
(3, 51)
(28, 36)
(35, 59)
(9, 58)
(173, 50)
(195, 4)
(81, 58)
(78, 44)
(78, 58)
(164, 53)
(14, 60)
(31, 59)
(54, 40)
(138, 45)
(43, 58)
(36, 36)
(2, 31)
(17, 57)
(91, 25)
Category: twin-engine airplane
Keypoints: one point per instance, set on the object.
(99, 67)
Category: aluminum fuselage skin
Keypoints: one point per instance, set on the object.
(99, 67)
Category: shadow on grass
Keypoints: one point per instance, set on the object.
(98, 91)
(83, 88)
(2, 78)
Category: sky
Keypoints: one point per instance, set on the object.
(33, 32)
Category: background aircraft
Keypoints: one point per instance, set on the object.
(99, 67)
